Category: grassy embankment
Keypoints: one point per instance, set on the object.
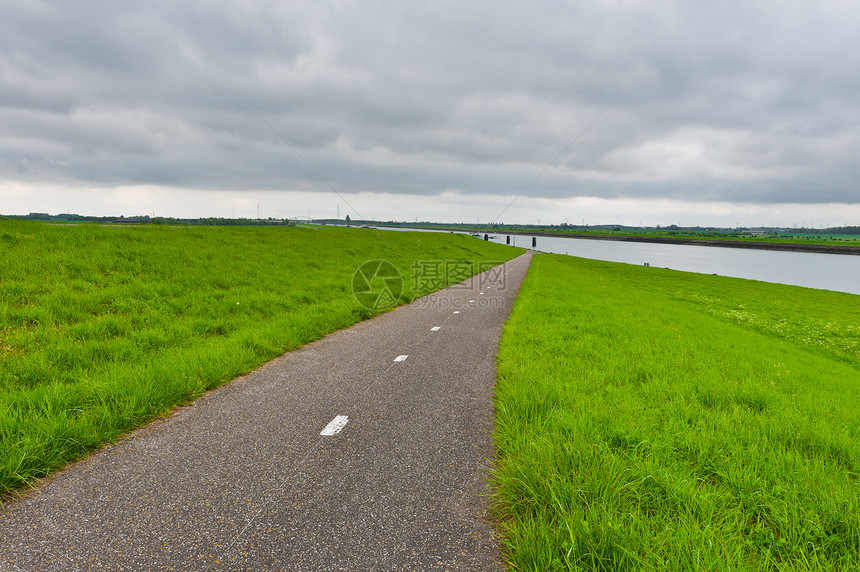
(650, 419)
(824, 239)
(801, 237)
(105, 328)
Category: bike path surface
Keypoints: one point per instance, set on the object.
(243, 479)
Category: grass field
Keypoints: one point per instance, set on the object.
(844, 236)
(104, 328)
(649, 419)
(781, 237)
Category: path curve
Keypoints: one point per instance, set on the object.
(244, 480)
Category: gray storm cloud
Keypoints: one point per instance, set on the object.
(730, 101)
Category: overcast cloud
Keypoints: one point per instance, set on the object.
(435, 110)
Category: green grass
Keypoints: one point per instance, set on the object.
(649, 419)
(105, 328)
(781, 237)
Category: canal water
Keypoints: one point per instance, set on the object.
(838, 272)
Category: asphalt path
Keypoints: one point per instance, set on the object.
(243, 479)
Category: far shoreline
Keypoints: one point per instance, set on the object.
(753, 244)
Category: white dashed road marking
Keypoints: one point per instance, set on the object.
(434, 329)
(401, 358)
(335, 425)
(456, 311)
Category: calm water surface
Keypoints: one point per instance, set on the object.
(837, 272)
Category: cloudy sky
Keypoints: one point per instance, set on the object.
(676, 112)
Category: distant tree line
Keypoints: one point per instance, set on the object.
(496, 226)
(146, 219)
(844, 230)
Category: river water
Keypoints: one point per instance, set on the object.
(839, 272)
